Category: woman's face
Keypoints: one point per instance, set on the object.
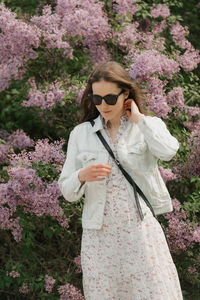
(103, 88)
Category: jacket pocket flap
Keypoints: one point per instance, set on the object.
(86, 156)
(138, 148)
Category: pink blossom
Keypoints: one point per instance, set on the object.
(20, 140)
(167, 174)
(23, 289)
(8, 223)
(46, 152)
(52, 31)
(192, 111)
(178, 33)
(13, 274)
(99, 54)
(5, 150)
(189, 60)
(175, 97)
(77, 260)
(69, 292)
(83, 19)
(161, 10)
(159, 27)
(26, 189)
(151, 62)
(158, 104)
(17, 41)
(46, 98)
(196, 235)
(49, 283)
(191, 125)
(126, 38)
(124, 7)
(181, 234)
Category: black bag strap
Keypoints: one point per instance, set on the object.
(128, 177)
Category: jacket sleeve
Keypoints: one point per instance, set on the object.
(68, 182)
(160, 141)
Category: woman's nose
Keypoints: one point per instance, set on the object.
(103, 103)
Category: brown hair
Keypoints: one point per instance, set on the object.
(109, 71)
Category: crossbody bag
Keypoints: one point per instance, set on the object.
(136, 188)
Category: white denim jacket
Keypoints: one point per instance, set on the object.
(139, 149)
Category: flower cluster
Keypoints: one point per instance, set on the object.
(161, 10)
(49, 283)
(146, 67)
(83, 19)
(13, 274)
(26, 189)
(45, 98)
(5, 151)
(125, 7)
(127, 37)
(175, 97)
(152, 62)
(190, 58)
(18, 139)
(17, 41)
(69, 292)
(77, 260)
(194, 156)
(182, 235)
(23, 289)
(52, 31)
(167, 174)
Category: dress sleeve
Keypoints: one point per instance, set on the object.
(68, 182)
(160, 141)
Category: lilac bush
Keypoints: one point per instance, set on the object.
(153, 45)
(28, 190)
(17, 42)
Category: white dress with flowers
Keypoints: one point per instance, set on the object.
(126, 259)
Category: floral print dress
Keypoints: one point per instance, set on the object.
(126, 259)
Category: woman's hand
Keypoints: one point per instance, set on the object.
(134, 115)
(92, 172)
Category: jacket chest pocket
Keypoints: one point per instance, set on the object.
(87, 158)
(136, 154)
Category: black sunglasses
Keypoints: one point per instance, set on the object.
(110, 98)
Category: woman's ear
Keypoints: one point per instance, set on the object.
(126, 94)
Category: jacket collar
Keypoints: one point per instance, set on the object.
(98, 124)
(100, 121)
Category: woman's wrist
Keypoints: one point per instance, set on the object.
(79, 177)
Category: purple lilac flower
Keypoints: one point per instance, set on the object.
(17, 41)
(151, 62)
(161, 10)
(175, 97)
(46, 98)
(69, 292)
(20, 140)
(126, 6)
(49, 283)
(167, 174)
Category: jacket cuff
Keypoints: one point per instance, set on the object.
(79, 187)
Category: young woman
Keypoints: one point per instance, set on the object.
(123, 256)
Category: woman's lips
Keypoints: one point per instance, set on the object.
(106, 112)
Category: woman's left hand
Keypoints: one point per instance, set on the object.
(134, 115)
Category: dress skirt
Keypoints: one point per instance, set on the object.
(127, 259)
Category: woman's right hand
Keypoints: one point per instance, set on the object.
(92, 172)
